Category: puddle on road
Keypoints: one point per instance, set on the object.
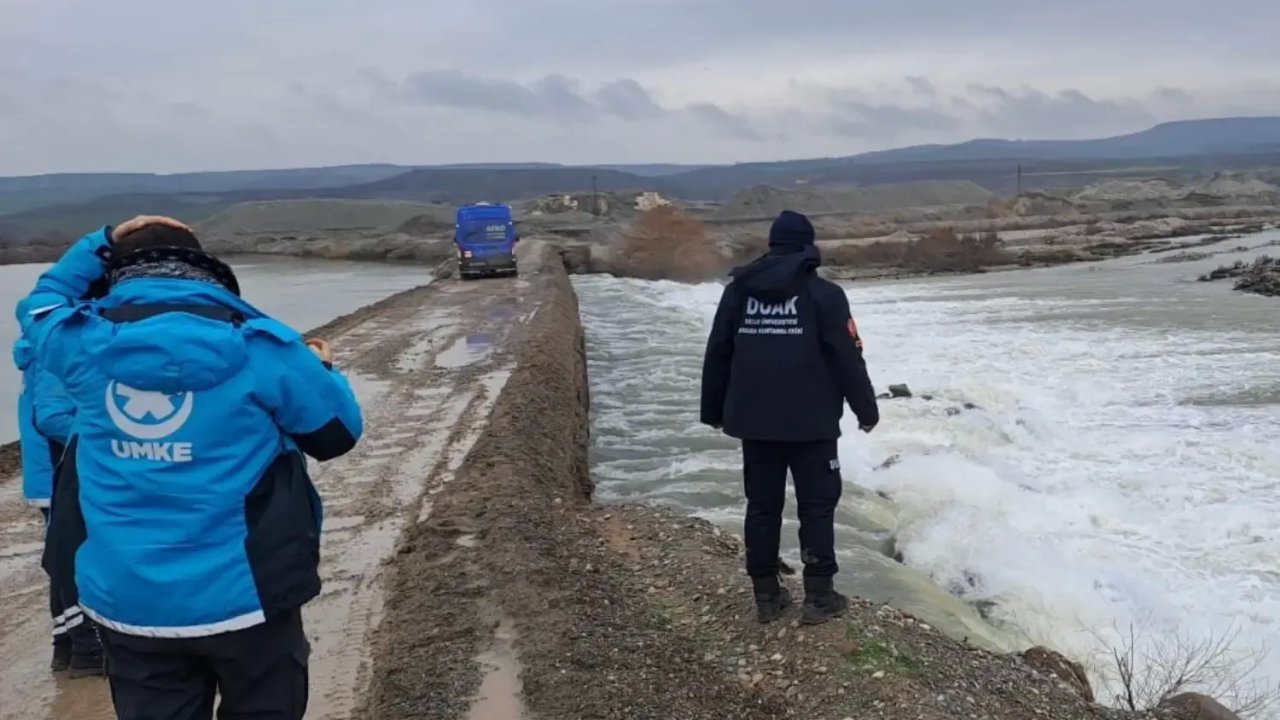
(367, 390)
(494, 382)
(500, 696)
(466, 350)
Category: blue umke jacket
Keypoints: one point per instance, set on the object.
(193, 412)
(45, 414)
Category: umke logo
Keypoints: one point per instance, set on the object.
(150, 416)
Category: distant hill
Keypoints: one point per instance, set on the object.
(24, 193)
(475, 185)
(1174, 139)
(1199, 145)
(431, 185)
(764, 201)
(1177, 151)
(70, 220)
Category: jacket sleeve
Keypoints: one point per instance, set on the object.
(54, 412)
(43, 315)
(718, 360)
(310, 401)
(844, 357)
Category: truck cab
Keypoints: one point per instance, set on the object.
(484, 236)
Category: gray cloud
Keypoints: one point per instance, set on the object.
(921, 85)
(721, 120)
(560, 98)
(1070, 112)
(247, 84)
(628, 99)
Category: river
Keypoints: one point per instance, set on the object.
(303, 293)
(1121, 467)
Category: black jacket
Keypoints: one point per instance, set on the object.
(782, 361)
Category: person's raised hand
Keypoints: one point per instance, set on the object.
(137, 223)
(321, 348)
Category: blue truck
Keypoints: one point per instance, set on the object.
(485, 237)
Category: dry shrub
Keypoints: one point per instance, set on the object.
(940, 250)
(1148, 671)
(667, 244)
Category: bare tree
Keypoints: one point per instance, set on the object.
(1151, 670)
(665, 243)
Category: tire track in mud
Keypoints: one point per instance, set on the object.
(428, 370)
(427, 365)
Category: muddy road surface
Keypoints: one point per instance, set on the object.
(427, 365)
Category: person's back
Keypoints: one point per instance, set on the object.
(39, 453)
(195, 410)
(782, 360)
(45, 419)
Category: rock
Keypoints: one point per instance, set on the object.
(1194, 706)
(893, 460)
(899, 391)
(1261, 277)
(1056, 664)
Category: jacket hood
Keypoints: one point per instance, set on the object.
(776, 276)
(174, 351)
(23, 354)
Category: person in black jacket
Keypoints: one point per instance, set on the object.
(782, 360)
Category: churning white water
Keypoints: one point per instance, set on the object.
(1120, 467)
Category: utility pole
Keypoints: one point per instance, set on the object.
(1019, 179)
(595, 200)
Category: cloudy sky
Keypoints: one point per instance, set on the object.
(152, 85)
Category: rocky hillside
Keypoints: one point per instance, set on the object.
(764, 201)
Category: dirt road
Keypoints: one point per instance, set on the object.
(427, 365)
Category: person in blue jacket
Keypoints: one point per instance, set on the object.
(45, 416)
(783, 358)
(201, 525)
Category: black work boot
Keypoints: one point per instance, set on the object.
(87, 665)
(86, 652)
(61, 654)
(821, 602)
(772, 598)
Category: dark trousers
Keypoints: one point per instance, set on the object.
(260, 673)
(70, 626)
(56, 607)
(815, 469)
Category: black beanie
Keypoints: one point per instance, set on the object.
(154, 236)
(791, 231)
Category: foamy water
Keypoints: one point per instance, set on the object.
(1122, 466)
